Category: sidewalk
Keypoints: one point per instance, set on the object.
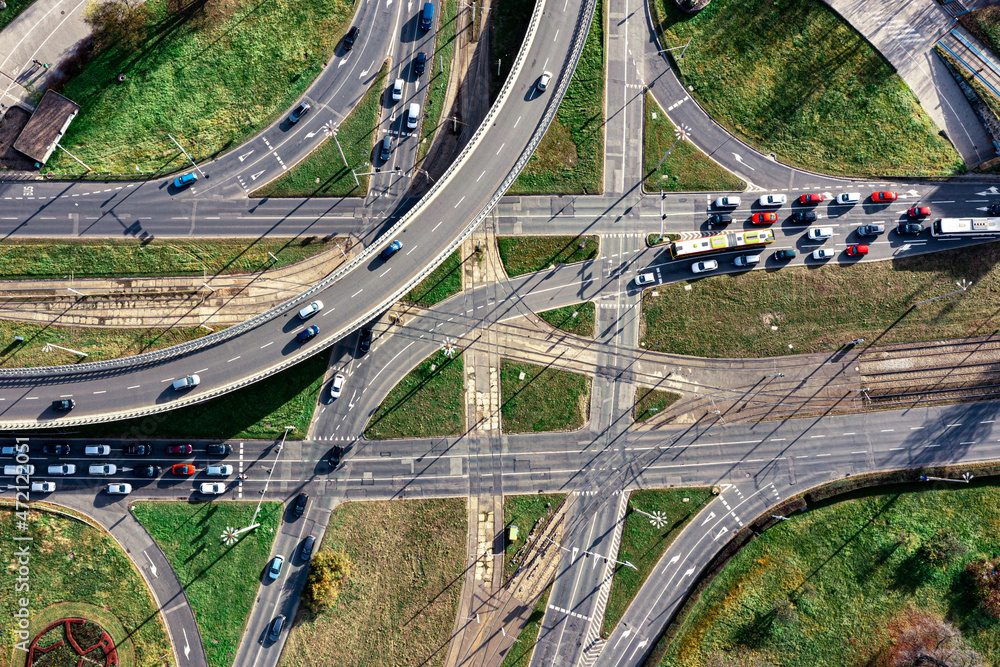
(47, 32)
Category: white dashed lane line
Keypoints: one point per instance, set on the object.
(266, 344)
(233, 359)
(135, 386)
(358, 292)
(168, 380)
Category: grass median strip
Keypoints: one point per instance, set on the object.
(443, 282)
(519, 655)
(428, 401)
(438, 73)
(837, 584)
(398, 605)
(525, 512)
(38, 259)
(527, 254)
(570, 157)
(261, 410)
(576, 319)
(78, 570)
(219, 579)
(644, 540)
(323, 173)
(760, 314)
(685, 169)
(650, 402)
(537, 398)
(792, 78)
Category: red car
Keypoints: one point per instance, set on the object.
(884, 196)
(812, 198)
(182, 469)
(763, 218)
(919, 211)
(857, 250)
(179, 449)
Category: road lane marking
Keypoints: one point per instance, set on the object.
(888, 430)
(135, 386)
(168, 380)
(233, 359)
(103, 391)
(266, 344)
(459, 202)
(358, 292)
(501, 148)
(385, 272)
(436, 226)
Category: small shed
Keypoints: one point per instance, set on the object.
(512, 533)
(46, 126)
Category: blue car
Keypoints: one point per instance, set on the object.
(308, 333)
(391, 250)
(298, 112)
(275, 569)
(185, 180)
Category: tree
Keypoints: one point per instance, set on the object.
(985, 576)
(117, 22)
(924, 640)
(741, 656)
(327, 573)
(942, 548)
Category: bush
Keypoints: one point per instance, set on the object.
(121, 22)
(942, 548)
(985, 575)
(924, 639)
(327, 573)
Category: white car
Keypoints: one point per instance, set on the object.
(19, 469)
(118, 489)
(62, 469)
(397, 90)
(311, 310)
(823, 253)
(543, 82)
(772, 200)
(820, 233)
(337, 386)
(705, 266)
(645, 279)
(848, 197)
(727, 202)
(97, 450)
(187, 382)
(219, 471)
(103, 469)
(212, 488)
(43, 487)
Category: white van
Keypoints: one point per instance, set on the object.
(412, 116)
(19, 469)
(186, 382)
(103, 469)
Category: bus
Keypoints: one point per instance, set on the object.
(959, 227)
(722, 242)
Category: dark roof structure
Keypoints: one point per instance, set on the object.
(46, 126)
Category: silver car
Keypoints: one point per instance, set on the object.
(311, 310)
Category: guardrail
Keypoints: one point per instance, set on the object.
(582, 28)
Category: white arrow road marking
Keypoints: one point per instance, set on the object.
(912, 193)
(187, 647)
(992, 191)
(708, 518)
(365, 73)
(575, 549)
(688, 573)
(641, 644)
(721, 533)
(624, 635)
(257, 175)
(740, 160)
(152, 568)
(245, 156)
(725, 487)
(310, 135)
(343, 61)
(674, 559)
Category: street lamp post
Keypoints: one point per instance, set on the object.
(48, 348)
(679, 133)
(230, 536)
(187, 155)
(962, 284)
(966, 478)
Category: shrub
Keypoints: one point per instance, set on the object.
(327, 573)
(924, 639)
(942, 548)
(985, 576)
(121, 22)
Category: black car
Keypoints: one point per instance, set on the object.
(55, 450)
(65, 404)
(300, 504)
(804, 216)
(420, 64)
(298, 112)
(910, 228)
(336, 455)
(306, 334)
(784, 255)
(365, 343)
(994, 209)
(137, 450)
(307, 547)
(351, 37)
(146, 471)
(220, 450)
(276, 626)
(719, 219)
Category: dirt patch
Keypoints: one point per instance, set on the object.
(11, 124)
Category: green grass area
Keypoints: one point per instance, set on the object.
(570, 157)
(210, 75)
(643, 543)
(83, 571)
(527, 254)
(576, 319)
(519, 655)
(791, 78)
(443, 282)
(686, 169)
(98, 343)
(398, 605)
(261, 410)
(13, 10)
(36, 259)
(649, 402)
(657, 239)
(220, 580)
(828, 586)
(524, 512)
(323, 173)
(438, 72)
(508, 26)
(546, 399)
(984, 23)
(429, 401)
(821, 309)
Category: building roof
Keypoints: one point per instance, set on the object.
(47, 124)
